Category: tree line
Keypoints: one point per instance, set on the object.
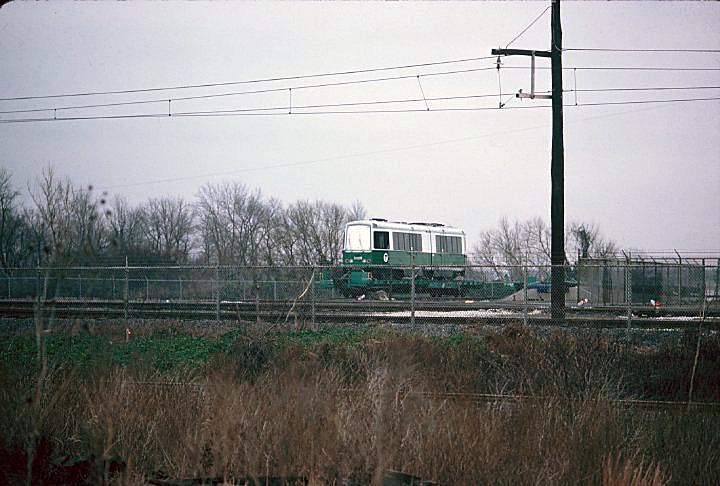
(226, 223)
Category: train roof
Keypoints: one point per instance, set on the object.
(408, 226)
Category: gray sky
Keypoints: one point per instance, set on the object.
(647, 174)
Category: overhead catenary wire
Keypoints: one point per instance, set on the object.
(641, 102)
(250, 81)
(318, 85)
(329, 84)
(267, 112)
(605, 49)
(247, 92)
(500, 95)
(653, 88)
(283, 107)
(622, 68)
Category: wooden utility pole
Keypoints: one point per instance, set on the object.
(557, 164)
(557, 173)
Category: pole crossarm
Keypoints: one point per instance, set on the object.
(520, 52)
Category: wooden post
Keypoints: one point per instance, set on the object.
(557, 173)
(557, 165)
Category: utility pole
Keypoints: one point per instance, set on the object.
(557, 164)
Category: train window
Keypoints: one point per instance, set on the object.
(407, 241)
(398, 241)
(448, 244)
(416, 242)
(357, 238)
(381, 240)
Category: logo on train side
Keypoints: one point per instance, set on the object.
(385, 257)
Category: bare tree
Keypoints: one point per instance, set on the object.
(14, 235)
(233, 222)
(65, 219)
(168, 227)
(587, 241)
(272, 238)
(126, 227)
(502, 249)
(512, 245)
(356, 211)
(316, 230)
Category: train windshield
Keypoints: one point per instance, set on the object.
(357, 238)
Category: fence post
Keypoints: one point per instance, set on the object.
(127, 287)
(112, 297)
(147, 288)
(274, 290)
(312, 296)
(577, 280)
(704, 283)
(79, 286)
(412, 290)
(390, 289)
(679, 278)
(181, 288)
(257, 296)
(628, 290)
(525, 296)
(9, 295)
(217, 290)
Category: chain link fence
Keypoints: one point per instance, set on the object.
(609, 290)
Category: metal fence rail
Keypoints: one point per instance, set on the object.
(608, 289)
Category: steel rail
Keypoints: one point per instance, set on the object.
(429, 312)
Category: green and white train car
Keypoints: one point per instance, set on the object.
(382, 242)
(382, 255)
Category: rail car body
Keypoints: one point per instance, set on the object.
(381, 242)
(398, 256)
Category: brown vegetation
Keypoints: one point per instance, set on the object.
(339, 412)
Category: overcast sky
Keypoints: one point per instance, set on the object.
(647, 174)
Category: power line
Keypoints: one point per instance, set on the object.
(239, 93)
(275, 108)
(307, 86)
(279, 111)
(319, 85)
(656, 88)
(602, 49)
(641, 102)
(528, 27)
(251, 81)
(267, 112)
(619, 68)
(142, 102)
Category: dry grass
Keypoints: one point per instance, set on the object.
(334, 413)
(618, 472)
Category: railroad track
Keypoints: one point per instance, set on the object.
(344, 310)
